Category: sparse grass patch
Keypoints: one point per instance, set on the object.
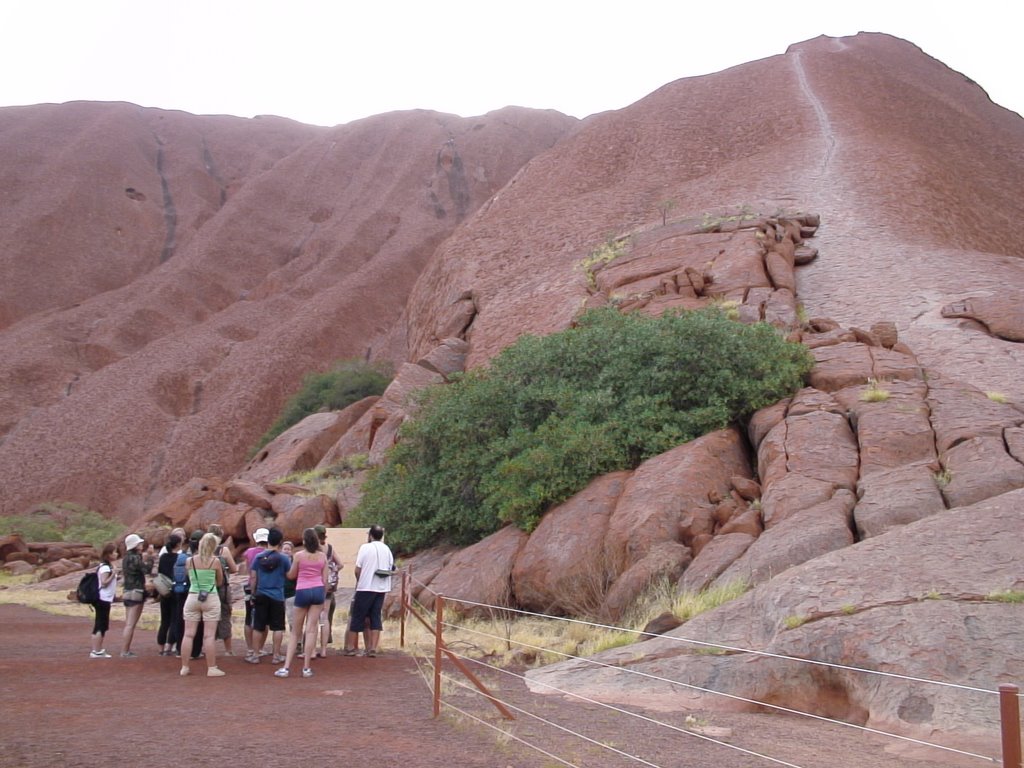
(329, 480)
(932, 594)
(661, 597)
(997, 397)
(611, 249)
(875, 392)
(943, 478)
(848, 609)
(1006, 596)
(794, 621)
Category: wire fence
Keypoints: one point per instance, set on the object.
(1005, 700)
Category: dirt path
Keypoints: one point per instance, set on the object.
(60, 708)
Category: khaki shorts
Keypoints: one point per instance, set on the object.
(208, 611)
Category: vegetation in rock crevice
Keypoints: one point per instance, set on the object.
(347, 382)
(503, 445)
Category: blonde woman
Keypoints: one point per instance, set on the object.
(309, 569)
(205, 575)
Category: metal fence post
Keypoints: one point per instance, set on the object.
(438, 643)
(402, 608)
(1009, 720)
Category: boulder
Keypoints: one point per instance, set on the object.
(980, 468)
(895, 497)
(861, 607)
(247, 492)
(665, 560)
(748, 521)
(891, 432)
(57, 569)
(561, 568)
(762, 421)
(1002, 314)
(32, 558)
(11, 543)
(231, 517)
(791, 494)
(300, 447)
(665, 488)
(446, 358)
(294, 514)
(180, 504)
(838, 366)
(661, 624)
(712, 560)
(17, 567)
(481, 573)
(746, 487)
(960, 411)
(422, 568)
(803, 535)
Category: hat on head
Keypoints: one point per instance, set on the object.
(196, 535)
(321, 530)
(132, 541)
(261, 535)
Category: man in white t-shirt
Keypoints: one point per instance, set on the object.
(374, 556)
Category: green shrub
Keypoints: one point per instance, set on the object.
(347, 382)
(63, 521)
(505, 444)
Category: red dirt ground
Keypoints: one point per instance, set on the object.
(61, 708)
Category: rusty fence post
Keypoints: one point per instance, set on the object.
(438, 644)
(403, 604)
(1009, 720)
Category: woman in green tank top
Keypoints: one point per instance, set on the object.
(205, 574)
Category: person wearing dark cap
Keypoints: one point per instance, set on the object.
(269, 570)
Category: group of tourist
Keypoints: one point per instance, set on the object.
(286, 585)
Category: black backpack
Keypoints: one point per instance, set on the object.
(88, 591)
(269, 560)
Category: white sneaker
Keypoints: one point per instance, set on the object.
(100, 654)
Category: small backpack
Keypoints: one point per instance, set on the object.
(88, 591)
(332, 571)
(268, 561)
(180, 574)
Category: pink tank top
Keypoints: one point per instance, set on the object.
(310, 572)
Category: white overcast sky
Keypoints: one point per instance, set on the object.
(329, 62)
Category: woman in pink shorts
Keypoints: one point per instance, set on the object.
(309, 569)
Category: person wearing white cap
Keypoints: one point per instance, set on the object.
(259, 536)
(133, 569)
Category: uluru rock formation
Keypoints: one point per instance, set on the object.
(854, 192)
(169, 279)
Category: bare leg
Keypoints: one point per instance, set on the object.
(312, 625)
(210, 648)
(293, 640)
(186, 642)
(131, 618)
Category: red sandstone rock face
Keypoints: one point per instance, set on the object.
(168, 279)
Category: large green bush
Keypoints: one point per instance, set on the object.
(504, 444)
(347, 382)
